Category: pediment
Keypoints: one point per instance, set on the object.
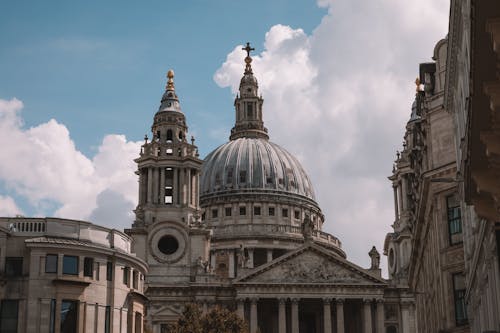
(310, 264)
(166, 312)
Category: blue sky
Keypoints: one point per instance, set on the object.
(99, 67)
(81, 81)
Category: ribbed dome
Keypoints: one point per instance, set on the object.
(254, 164)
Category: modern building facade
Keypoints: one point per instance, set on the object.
(242, 229)
(66, 276)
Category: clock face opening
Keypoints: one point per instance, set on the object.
(168, 244)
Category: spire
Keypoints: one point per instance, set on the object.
(248, 105)
(169, 100)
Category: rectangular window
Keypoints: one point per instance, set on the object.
(126, 275)
(243, 176)
(109, 271)
(52, 319)
(256, 210)
(284, 212)
(228, 211)
(243, 210)
(459, 295)
(70, 265)
(296, 214)
(215, 213)
(13, 266)
(454, 219)
(271, 211)
(9, 309)
(51, 263)
(249, 110)
(135, 279)
(69, 316)
(88, 267)
(107, 319)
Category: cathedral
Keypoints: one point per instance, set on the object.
(242, 229)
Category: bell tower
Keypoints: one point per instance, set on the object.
(168, 166)
(167, 230)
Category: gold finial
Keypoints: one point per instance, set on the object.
(170, 83)
(417, 82)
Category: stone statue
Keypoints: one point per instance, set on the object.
(242, 258)
(307, 228)
(375, 257)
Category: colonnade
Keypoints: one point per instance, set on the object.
(372, 322)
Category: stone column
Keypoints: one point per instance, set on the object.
(188, 187)
(295, 315)
(141, 187)
(404, 190)
(240, 310)
(175, 190)
(367, 315)
(282, 315)
(380, 316)
(400, 199)
(150, 185)
(327, 316)
(269, 255)
(405, 316)
(340, 315)
(156, 180)
(231, 264)
(253, 315)
(212, 261)
(396, 208)
(250, 258)
(162, 186)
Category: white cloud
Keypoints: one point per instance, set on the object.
(8, 207)
(42, 164)
(340, 98)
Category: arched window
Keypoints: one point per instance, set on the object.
(391, 329)
(169, 135)
(181, 135)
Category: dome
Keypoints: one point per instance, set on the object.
(254, 164)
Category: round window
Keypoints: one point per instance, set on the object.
(168, 244)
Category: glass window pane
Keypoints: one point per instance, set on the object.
(88, 267)
(14, 266)
(70, 265)
(8, 316)
(51, 263)
(69, 316)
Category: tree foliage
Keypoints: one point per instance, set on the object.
(217, 320)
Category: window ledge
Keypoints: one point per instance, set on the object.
(75, 281)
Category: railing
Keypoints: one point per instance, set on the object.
(249, 230)
(69, 229)
(30, 227)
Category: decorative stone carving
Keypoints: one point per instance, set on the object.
(308, 267)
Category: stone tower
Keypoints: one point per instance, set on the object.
(167, 233)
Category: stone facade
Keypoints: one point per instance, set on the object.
(242, 230)
(449, 214)
(61, 276)
(472, 94)
(427, 245)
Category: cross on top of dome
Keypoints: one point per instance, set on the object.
(248, 59)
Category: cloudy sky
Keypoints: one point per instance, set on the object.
(80, 83)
